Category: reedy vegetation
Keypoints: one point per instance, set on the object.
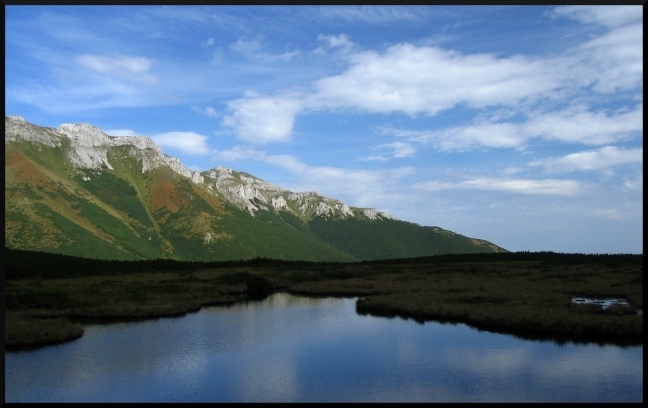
(48, 297)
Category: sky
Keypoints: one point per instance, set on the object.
(520, 125)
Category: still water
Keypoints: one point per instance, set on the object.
(297, 349)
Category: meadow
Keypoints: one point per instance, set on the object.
(49, 297)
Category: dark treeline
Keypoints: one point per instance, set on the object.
(526, 256)
(20, 264)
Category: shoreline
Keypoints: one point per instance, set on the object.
(363, 307)
(529, 295)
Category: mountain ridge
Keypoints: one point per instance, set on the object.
(117, 191)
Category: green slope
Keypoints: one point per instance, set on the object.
(388, 239)
(113, 214)
(126, 214)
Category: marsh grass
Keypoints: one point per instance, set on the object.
(517, 293)
(23, 330)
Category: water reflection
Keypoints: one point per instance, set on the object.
(298, 349)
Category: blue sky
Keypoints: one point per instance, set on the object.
(522, 125)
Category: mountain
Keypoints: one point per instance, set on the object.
(77, 191)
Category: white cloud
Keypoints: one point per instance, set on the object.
(358, 187)
(211, 112)
(186, 142)
(502, 135)
(574, 124)
(592, 160)
(404, 79)
(217, 58)
(511, 170)
(401, 149)
(398, 150)
(428, 80)
(288, 162)
(252, 49)
(375, 157)
(610, 213)
(520, 186)
(372, 14)
(610, 16)
(634, 183)
(245, 46)
(579, 125)
(238, 153)
(287, 56)
(331, 42)
(208, 110)
(341, 40)
(610, 62)
(123, 66)
(260, 120)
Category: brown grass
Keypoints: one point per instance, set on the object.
(522, 297)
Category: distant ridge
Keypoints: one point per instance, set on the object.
(77, 191)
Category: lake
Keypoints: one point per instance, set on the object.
(289, 348)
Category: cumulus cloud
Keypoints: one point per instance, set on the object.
(413, 80)
(427, 80)
(261, 120)
(406, 79)
(186, 142)
(602, 159)
(518, 186)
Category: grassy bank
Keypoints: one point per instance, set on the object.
(522, 293)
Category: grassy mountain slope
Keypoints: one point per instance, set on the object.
(386, 238)
(130, 210)
(126, 214)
